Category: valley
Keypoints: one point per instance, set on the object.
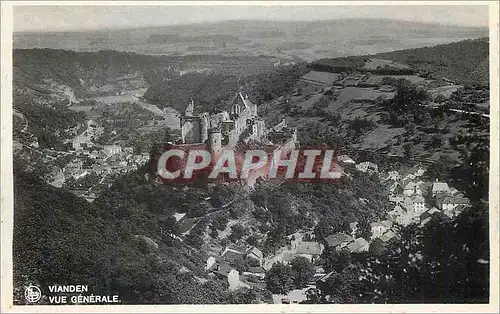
(409, 128)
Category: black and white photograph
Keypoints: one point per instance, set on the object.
(286, 155)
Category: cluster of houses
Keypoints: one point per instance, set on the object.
(106, 161)
(417, 201)
(223, 267)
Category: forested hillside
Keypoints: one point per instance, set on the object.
(464, 62)
(123, 244)
(213, 90)
(116, 246)
(108, 72)
(78, 70)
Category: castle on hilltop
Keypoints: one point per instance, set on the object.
(224, 129)
(227, 130)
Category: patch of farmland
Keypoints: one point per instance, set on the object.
(310, 101)
(301, 121)
(379, 137)
(445, 91)
(374, 64)
(357, 93)
(414, 79)
(363, 110)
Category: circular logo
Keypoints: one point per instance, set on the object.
(32, 294)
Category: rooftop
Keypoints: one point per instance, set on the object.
(313, 248)
(337, 239)
(440, 187)
(357, 245)
(386, 223)
(388, 236)
(418, 199)
(220, 268)
(255, 251)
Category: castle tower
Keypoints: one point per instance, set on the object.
(214, 141)
(204, 125)
(190, 109)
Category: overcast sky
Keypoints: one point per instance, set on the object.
(54, 18)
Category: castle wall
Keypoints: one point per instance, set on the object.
(204, 125)
(218, 118)
(191, 131)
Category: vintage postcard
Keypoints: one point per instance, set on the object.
(249, 156)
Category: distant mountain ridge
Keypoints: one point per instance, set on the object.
(318, 39)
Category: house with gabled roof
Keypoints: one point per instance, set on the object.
(389, 236)
(426, 216)
(449, 202)
(398, 215)
(452, 205)
(409, 177)
(396, 188)
(418, 204)
(255, 254)
(359, 245)
(232, 253)
(393, 175)
(258, 271)
(396, 198)
(378, 245)
(338, 241)
(440, 188)
(409, 188)
(380, 227)
(309, 250)
(345, 159)
(224, 271)
(367, 166)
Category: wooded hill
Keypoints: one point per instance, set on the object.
(464, 62)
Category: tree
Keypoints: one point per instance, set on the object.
(333, 260)
(279, 279)
(410, 129)
(194, 240)
(399, 139)
(303, 271)
(364, 230)
(436, 141)
(438, 263)
(220, 221)
(252, 240)
(341, 287)
(242, 296)
(237, 232)
(408, 150)
(170, 224)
